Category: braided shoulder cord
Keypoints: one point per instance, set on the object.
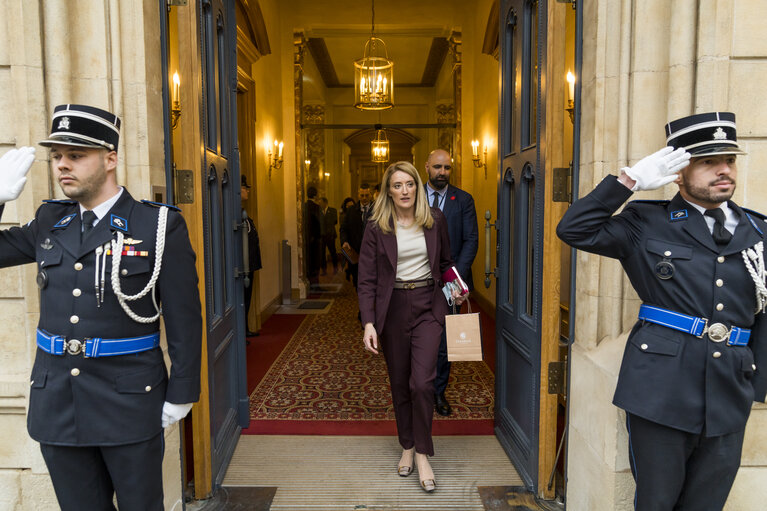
(753, 258)
(117, 248)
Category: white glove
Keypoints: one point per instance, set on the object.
(172, 413)
(14, 166)
(658, 169)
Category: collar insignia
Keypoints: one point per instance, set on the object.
(65, 221)
(720, 134)
(46, 245)
(118, 223)
(63, 124)
(679, 214)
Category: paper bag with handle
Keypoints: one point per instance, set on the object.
(464, 337)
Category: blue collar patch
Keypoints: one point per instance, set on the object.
(65, 221)
(118, 222)
(754, 224)
(679, 214)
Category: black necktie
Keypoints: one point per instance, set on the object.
(721, 235)
(88, 218)
(435, 200)
(364, 213)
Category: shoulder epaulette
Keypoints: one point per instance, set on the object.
(160, 204)
(59, 201)
(758, 215)
(648, 201)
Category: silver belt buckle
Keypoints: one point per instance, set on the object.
(718, 332)
(74, 346)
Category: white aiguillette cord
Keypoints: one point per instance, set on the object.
(117, 249)
(753, 258)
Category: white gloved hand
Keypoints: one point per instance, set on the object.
(14, 166)
(172, 413)
(658, 169)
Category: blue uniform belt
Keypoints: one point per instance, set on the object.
(95, 346)
(698, 327)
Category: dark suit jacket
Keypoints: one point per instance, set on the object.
(329, 220)
(461, 216)
(378, 270)
(353, 226)
(112, 400)
(667, 376)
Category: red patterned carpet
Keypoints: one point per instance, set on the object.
(324, 382)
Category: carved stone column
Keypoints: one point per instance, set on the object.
(455, 52)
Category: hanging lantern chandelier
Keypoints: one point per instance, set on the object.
(379, 146)
(373, 74)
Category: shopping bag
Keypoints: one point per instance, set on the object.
(464, 337)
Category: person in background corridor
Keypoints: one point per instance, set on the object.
(312, 236)
(254, 253)
(328, 222)
(405, 250)
(353, 226)
(345, 205)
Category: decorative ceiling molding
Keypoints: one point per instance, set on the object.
(363, 30)
(437, 54)
(319, 51)
(490, 43)
(250, 17)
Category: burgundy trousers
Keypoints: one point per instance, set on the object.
(410, 343)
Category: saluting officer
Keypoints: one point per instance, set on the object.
(696, 358)
(108, 267)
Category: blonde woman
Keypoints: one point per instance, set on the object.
(405, 250)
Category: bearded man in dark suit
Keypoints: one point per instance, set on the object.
(458, 208)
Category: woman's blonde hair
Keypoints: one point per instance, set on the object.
(383, 209)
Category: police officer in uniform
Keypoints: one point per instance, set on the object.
(696, 358)
(108, 267)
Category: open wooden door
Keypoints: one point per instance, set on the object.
(520, 224)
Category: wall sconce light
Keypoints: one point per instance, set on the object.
(275, 160)
(175, 108)
(475, 156)
(571, 96)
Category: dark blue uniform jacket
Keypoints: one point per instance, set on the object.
(108, 400)
(667, 376)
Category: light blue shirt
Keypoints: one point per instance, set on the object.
(441, 193)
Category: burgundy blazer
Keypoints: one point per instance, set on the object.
(378, 270)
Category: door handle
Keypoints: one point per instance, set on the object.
(488, 244)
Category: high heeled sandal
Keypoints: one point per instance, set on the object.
(428, 485)
(405, 470)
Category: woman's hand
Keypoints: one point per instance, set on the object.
(370, 338)
(458, 298)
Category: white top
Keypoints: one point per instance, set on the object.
(412, 258)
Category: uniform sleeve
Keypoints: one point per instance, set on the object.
(589, 224)
(470, 241)
(181, 310)
(368, 275)
(17, 244)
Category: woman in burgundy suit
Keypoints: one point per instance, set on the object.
(404, 251)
